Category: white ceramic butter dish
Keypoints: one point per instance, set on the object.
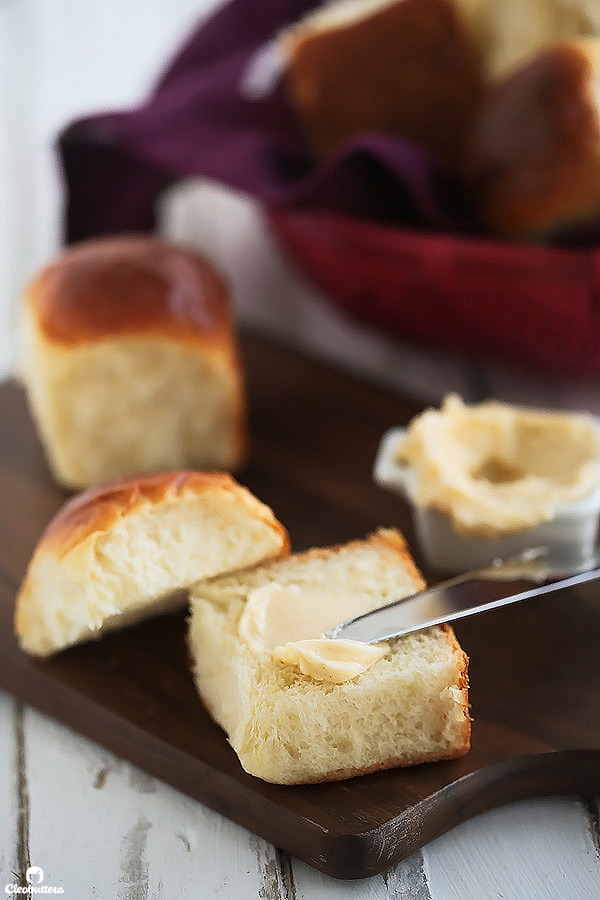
(573, 528)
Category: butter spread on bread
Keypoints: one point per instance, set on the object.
(288, 622)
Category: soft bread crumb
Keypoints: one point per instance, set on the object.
(410, 707)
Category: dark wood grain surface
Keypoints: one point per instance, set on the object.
(535, 667)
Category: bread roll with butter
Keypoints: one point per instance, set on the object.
(534, 153)
(126, 550)
(298, 709)
(130, 364)
(409, 68)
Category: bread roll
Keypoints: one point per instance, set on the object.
(124, 551)
(534, 153)
(288, 727)
(129, 362)
(409, 68)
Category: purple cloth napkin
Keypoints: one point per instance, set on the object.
(199, 122)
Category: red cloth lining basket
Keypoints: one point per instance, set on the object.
(533, 307)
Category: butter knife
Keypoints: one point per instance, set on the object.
(499, 585)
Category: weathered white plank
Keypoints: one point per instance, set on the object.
(406, 881)
(100, 827)
(545, 849)
(8, 807)
(312, 885)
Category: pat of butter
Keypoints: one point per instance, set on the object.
(288, 622)
(495, 469)
(332, 661)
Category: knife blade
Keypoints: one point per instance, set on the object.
(499, 585)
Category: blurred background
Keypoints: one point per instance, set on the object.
(63, 60)
(58, 61)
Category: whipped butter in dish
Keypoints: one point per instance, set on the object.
(496, 469)
(288, 621)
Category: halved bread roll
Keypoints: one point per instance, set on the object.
(314, 710)
(126, 550)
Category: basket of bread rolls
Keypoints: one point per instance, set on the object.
(504, 96)
(433, 165)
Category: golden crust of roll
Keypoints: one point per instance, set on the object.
(100, 508)
(128, 285)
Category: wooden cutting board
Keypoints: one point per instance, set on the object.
(535, 667)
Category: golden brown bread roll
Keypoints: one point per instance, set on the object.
(125, 551)
(130, 363)
(409, 68)
(534, 153)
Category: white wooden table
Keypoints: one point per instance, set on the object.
(98, 827)
(95, 825)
